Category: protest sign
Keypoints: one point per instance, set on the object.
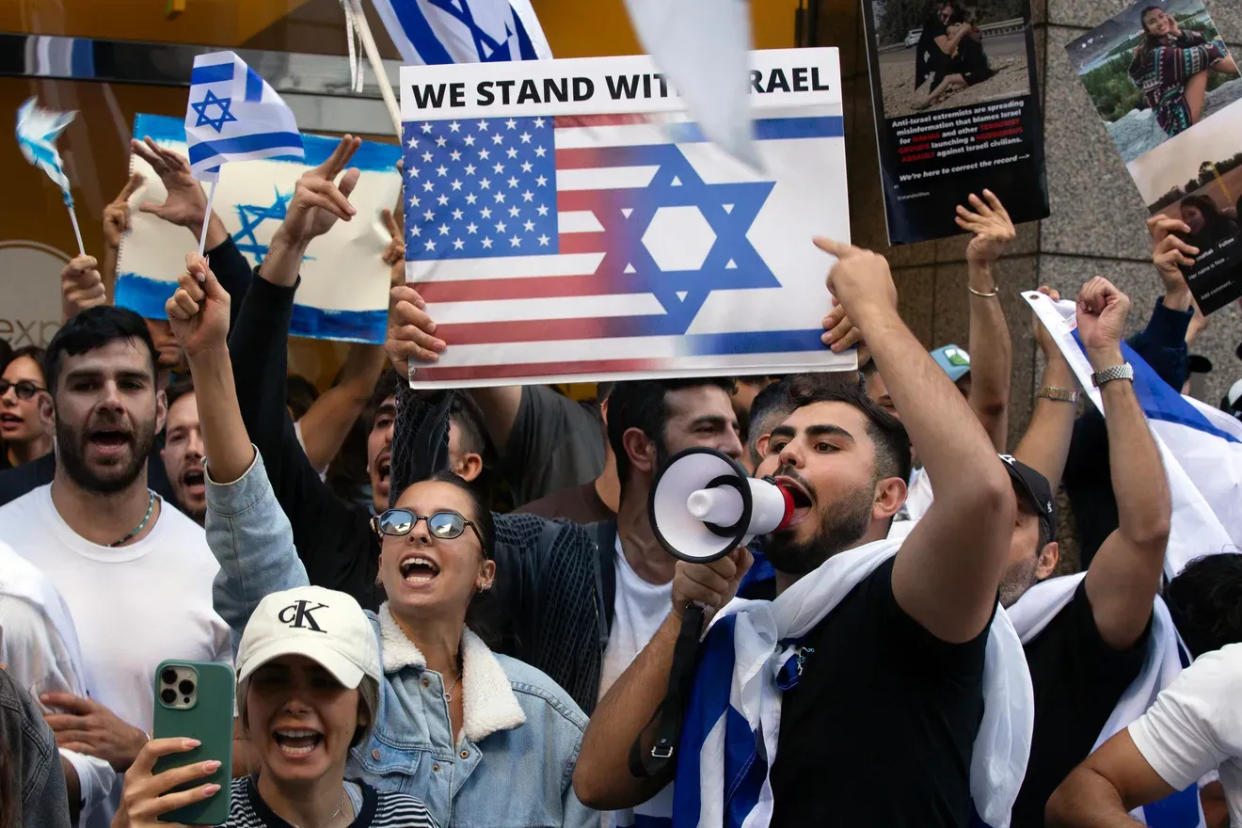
(1170, 96)
(956, 110)
(565, 220)
(344, 289)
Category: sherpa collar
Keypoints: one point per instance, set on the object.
(488, 702)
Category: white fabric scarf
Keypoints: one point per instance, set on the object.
(1001, 747)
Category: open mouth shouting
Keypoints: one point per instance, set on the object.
(418, 570)
(799, 494)
(109, 443)
(194, 482)
(297, 742)
(384, 470)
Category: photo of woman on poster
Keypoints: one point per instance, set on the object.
(950, 50)
(1171, 67)
(1207, 222)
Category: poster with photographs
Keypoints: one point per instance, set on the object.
(956, 110)
(1170, 95)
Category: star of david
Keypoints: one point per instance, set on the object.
(252, 217)
(729, 209)
(222, 103)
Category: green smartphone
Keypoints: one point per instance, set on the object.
(194, 700)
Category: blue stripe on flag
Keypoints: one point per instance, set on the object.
(769, 129)
(214, 73)
(746, 771)
(754, 342)
(422, 37)
(351, 326)
(244, 143)
(1177, 810)
(144, 296)
(369, 157)
(709, 700)
(1161, 402)
(82, 58)
(147, 296)
(254, 85)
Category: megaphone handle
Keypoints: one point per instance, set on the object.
(669, 715)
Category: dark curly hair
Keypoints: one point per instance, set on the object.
(1205, 601)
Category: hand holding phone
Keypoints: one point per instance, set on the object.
(147, 799)
(194, 702)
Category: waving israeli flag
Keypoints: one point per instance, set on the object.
(37, 131)
(233, 115)
(463, 31)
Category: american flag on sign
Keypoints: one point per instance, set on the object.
(566, 247)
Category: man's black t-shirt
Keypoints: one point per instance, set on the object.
(879, 729)
(1078, 680)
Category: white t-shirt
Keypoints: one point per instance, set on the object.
(132, 606)
(639, 609)
(1195, 725)
(40, 648)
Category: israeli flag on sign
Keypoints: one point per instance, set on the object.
(463, 31)
(233, 115)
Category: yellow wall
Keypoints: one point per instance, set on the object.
(600, 27)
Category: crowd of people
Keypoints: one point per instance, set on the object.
(453, 608)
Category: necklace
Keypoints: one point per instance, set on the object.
(140, 526)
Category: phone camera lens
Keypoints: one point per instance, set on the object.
(168, 675)
(168, 695)
(186, 687)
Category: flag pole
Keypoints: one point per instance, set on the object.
(77, 231)
(211, 198)
(377, 65)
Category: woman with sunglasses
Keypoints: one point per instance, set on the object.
(25, 429)
(481, 738)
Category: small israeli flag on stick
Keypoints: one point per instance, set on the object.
(37, 131)
(233, 115)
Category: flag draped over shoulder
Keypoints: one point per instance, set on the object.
(463, 31)
(37, 131)
(233, 115)
(1164, 659)
(732, 724)
(1201, 447)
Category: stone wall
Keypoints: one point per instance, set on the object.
(1097, 221)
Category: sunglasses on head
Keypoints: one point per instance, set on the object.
(444, 524)
(25, 389)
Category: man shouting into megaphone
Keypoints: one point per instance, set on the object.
(861, 695)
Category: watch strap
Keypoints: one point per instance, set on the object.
(1124, 371)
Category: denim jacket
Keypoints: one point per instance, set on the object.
(521, 732)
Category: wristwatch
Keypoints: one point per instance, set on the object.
(1124, 371)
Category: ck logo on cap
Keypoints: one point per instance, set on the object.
(300, 614)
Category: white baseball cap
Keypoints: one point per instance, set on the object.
(324, 625)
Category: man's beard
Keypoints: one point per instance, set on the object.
(71, 453)
(1017, 579)
(841, 527)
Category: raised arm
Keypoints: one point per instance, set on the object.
(1046, 443)
(115, 225)
(946, 574)
(602, 778)
(247, 530)
(1125, 573)
(991, 352)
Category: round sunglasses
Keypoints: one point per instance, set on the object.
(444, 524)
(24, 389)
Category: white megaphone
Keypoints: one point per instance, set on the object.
(703, 505)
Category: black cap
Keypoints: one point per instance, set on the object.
(1034, 488)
